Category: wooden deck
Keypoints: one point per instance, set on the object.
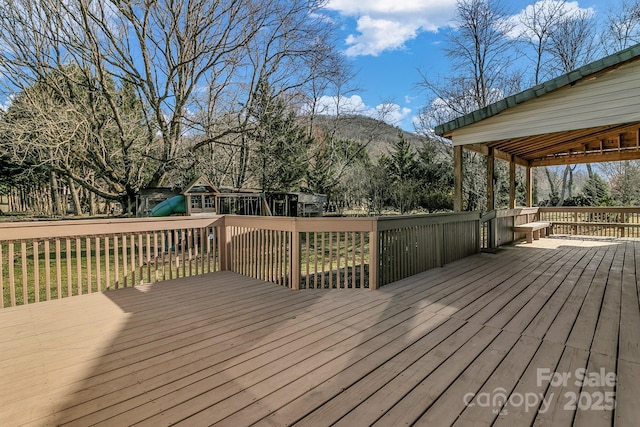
(228, 350)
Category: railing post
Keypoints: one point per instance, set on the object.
(492, 226)
(374, 260)
(440, 244)
(478, 239)
(295, 257)
(223, 245)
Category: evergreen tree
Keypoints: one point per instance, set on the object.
(279, 157)
(402, 164)
(402, 170)
(596, 191)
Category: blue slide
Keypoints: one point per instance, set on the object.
(173, 205)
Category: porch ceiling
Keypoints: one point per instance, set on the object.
(597, 144)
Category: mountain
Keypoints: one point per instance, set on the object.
(378, 136)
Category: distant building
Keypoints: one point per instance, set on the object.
(201, 197)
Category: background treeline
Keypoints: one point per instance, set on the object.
(101, 99)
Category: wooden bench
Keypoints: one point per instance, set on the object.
(533, 230)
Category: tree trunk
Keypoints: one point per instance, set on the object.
(92, 198)
(552, 186)
(589, 170)
(570, 182)
(75, 197)
(565, 177)
(58, 208)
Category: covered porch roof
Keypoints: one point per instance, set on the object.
(591, 114)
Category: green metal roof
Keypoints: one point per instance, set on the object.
(537, 91)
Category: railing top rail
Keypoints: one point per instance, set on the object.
(301, 224)
(346, 224)
(394, 222)
(90, 227)
(578, 209)
(488, 216)
(501, 213)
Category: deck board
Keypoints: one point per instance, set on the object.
(228, 350)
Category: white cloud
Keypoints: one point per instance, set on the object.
(6, 103)
(378, 35)
(545, 8)
(388, 24)
(391, 113)
(334, 105)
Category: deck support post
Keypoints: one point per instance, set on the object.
(512, 183)
(490, 180)
(529, 185)
(457, 178)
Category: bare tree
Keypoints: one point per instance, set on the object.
(573, 42)
(622, 27)
(623, 177)
(539, 21)
(480, 50)
(201, 58)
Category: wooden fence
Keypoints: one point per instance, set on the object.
(56, 259)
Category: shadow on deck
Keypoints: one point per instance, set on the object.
(473, 343)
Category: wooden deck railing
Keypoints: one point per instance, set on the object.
(497, 226)
(600, 221)
(411, 244)
(56, 259)
(319, 253)
(302, 253)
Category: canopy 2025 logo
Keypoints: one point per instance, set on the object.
(588, 393)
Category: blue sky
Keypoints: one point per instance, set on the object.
(388, 41)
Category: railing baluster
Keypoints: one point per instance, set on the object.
(164, 239)
(36, 271)
(98, 269)
(345, 275)
(68, 265)
(140, 260)
(12, 282)
(116, 261)
(25, 272)
(88, 263)
(183, 261)
(148, 256)
(1, 278)
(125, 262)
(58, 266)
(107, 263)
(132, 252)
